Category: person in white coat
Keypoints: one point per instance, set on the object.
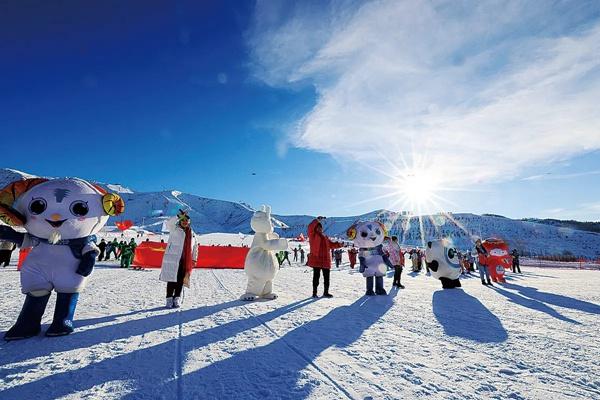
(179, 259)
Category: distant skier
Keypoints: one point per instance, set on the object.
(396, 257)
(6, 249)
(121, 246)
(515, 261)
(301, 255)
(295, 254)
(128, 253)
(102, 247)
(111, 248)
(283, 256)
(470, 260)
(338, 257)
(352, 254)
(414, 256)
(482, 255)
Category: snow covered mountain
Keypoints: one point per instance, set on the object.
(148, 210)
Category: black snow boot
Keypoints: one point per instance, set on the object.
(327, 295)
(483, 282)
(370, 291)
(489, 283)
(379, 290)
(62, 324)
(30, 319)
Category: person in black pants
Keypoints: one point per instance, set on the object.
(174, 288)
(102, 247)
(6, 249)
(320, 255)
(515, 261)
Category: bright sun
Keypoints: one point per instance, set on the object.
(416, 189)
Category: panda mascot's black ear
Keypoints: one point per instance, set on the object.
(433, 265)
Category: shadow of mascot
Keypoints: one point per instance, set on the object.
(462, 315)
(276, 370)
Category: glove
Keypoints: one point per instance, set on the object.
(86, 265)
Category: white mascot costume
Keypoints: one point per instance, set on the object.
(442, 260)
(61, 217)
(261, 265)
(368, 237)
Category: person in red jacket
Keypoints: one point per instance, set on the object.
(352, 253)
(320, 255)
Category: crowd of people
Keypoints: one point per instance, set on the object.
(324, 254)
(120, 250)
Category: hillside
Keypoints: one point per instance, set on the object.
(148, 210)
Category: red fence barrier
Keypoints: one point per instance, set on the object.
(150, 255)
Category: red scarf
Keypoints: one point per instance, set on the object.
(186, 254)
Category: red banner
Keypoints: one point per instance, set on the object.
(150, 255)
(221, 257)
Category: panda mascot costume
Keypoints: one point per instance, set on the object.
(261, 265)
(368, 237)
(60, 217)
(442, 260)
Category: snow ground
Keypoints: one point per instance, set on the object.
(533, 338)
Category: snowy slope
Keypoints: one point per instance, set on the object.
(533, 338)
(148, 210)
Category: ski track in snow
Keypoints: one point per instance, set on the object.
(294, 349)
(533, 338)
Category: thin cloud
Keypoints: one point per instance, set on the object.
(581, 212)
(550, 176)
(483, 89)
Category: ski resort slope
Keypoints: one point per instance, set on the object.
(533, 338)
(149, 210)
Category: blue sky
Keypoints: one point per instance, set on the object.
(337, 108)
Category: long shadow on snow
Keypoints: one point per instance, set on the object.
(40, 346)
(277, 370)
(556, 299)
(149, 370)
(462, 315)
(534, 304)
(113, 317)
(527, 275)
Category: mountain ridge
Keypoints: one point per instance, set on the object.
(149, 210)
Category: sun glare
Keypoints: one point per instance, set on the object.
(416, 188)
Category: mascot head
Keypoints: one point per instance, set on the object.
(442, 259)
(261, 220)
(56, 209)
(367, 234)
